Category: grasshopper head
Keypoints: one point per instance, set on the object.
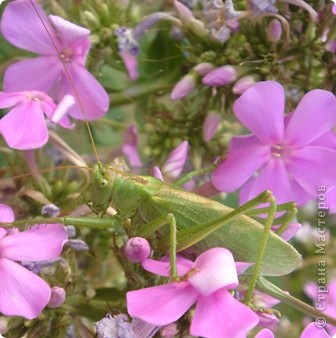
(102, 188)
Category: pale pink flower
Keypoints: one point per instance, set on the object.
(57, 297)
(205, 282)
(210, 125)
(274, 30)
(24, 127)
(70, 44)
(290, 156)
(137, 249)
(183, 87)
(243, 84)
(22, 293)
(265, 333)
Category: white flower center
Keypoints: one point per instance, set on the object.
(280, 151)
(66, 55)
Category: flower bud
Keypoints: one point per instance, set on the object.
(129, 148)
(198, 28)
(242, 84)
(274, 30)
(137, 249)
(183, 12)
(131, 64)
(203, 68)
(183, 87)
(173, 167)
(220, 76)
(210, 126)
(57, 297)
(77, 244)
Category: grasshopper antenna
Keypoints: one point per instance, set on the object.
(71, 82)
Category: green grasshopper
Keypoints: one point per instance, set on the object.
(200, 222)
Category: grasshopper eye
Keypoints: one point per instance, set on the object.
(103, 183)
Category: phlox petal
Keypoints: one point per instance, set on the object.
(24, 126)
(240, 165)
(93, 96)
(10, 99)
(312, 167)
(317, 113)
(261, 110)
(312, 331)
(161, 305)
(217, 269)
(290, 230)
(265, 333)
(69, 33)
(32, 74)
(42, 242)
(22, 293)
(22, 26)
(162, 267)
(59, 114)
(6, 213)
(220, 315)
(269, 178)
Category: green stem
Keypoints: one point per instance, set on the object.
(186, 178)
(267, 287)
(88, 222)
(138, 92)
(261, 251)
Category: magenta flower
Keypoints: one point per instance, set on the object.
(205, 282)
(22, 27)
(24, 127)
(210, 125)
(22, 293)
(220, 76)
(284, 154)
(265, 333)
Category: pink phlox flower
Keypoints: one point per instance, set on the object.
(288, 155)
(291, 230)
(130, 145)
(331, 199)
(324, 299)
(206, 282)
(22, 293)
(313, 331)
(24, 127)
(70, 45)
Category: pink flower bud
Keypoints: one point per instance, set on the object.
(183, 87)
(183, 12)
(137, 249)
(129, 148)
(242, 84)
(203, 68)
(274, 30)
(57, 297)
(157, 173)
(210, 126)
(220, 76)
(173, 167)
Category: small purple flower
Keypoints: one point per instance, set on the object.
(220, 76)
(205, 282)
(22, 293)
(24, 127)
(287, 153)
(22, 27)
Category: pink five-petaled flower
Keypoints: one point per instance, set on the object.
(22, 27)
(24, 127)
(22, 293)
(284, 154)
(204, 282)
